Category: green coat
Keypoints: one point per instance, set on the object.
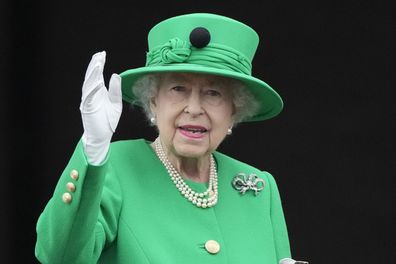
(129, 211)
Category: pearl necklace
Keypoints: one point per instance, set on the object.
(203, 200)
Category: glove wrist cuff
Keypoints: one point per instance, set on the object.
(95, 151)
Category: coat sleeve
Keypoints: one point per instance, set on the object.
(76, 230)
(279, 227)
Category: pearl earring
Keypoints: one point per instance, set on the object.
(229, 131)
(153, 120)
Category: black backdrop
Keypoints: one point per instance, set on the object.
(331, 149)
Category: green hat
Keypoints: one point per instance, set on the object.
(205, 43)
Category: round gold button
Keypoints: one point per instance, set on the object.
(74, 175)
(70, 187)
(67, 198)
(212, 246)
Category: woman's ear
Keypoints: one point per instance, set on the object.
(153, 108)
(153, 105)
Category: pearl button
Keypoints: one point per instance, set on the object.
(212, 246)
(67, 198)
(70, 187)
(74, 175)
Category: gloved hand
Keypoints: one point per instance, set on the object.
(100, 109)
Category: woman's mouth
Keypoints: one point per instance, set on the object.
(192, 131)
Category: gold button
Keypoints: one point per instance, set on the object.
(70, 187)
(212, 246)
(74, 175)
(66, 197)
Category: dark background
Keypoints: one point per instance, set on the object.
(332, 149)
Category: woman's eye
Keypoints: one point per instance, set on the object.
(213, 93)
(179, 88)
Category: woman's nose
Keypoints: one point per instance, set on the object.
(194, 104)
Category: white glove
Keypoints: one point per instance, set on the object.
(100, 109)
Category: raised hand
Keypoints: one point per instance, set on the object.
(100, 109)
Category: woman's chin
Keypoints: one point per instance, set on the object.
(191, 151)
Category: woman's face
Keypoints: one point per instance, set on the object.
(193, 113)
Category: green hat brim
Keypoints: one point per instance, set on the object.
(270, 102)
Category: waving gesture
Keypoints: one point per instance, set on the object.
(100, 109)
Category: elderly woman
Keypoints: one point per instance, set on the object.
(174, 200)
